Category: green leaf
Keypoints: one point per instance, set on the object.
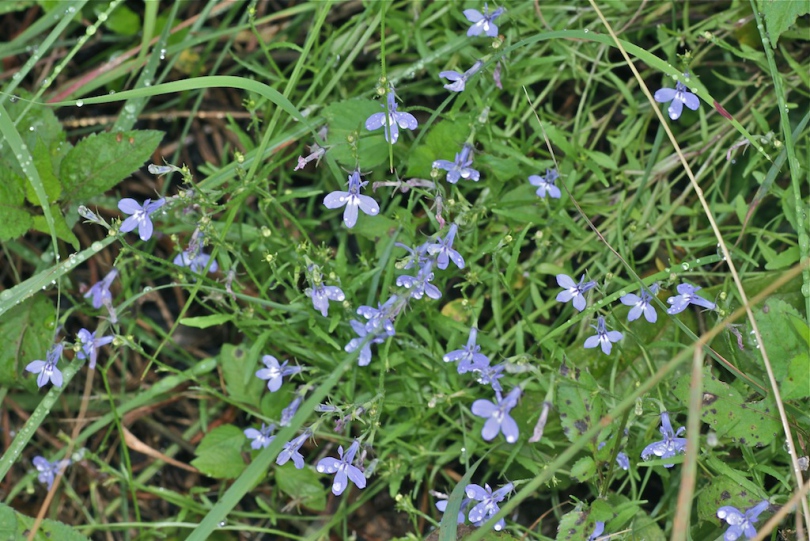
(44, 165)
(122, 21)
(781, 15)
(576, 525)
(219, 454)
(781, 341)
(723, 490)
(28, 328)
(100, 161)
(784, 259)
(239, 374)
(583, 469)
(15, 220)
(14, 525)
(346, 120)
(727, 412)
(579, 402)
(203, 322)
(60, 225)
(797, 384)
(304, 486)
(442, 142)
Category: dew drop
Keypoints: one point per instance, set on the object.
(96, 246)
(79, 103)
(685, 266)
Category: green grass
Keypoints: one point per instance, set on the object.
(717, 198)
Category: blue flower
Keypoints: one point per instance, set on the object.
(441, 505)
(679, 96)
(321, 295)
(459, 80)
(572, 290)
(49, 470)
(483, 22)
(740, 523)
(343, 469)
(275, 372)
(444, 252)
(416, 257)
(291, 450)
(545, 185)
(420, 285)
(195, 262)
(101, 295)
(687, 295)
(353, 200)
(260, 438)
(90, 345)
(603, 337)
(623, 461)
(598, 530)
(47, 369)
(289, 412)
(381, 318)
(669, 446)
(140, 216)
(497, 416)
(641, 305)
(460, 168)
(363, 342)
(391, 119)
(469, 356)
(488, 503)
(489, 375)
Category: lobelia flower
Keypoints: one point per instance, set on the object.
(489, 375)
(417, 257)
(459, 80)
(90, 345)
(260, 438)
(687, 295)
(469, 356)
(49, 470)
(420, 285)
(537, 433)
(483, 22)
(289, 412)
(316, 153)
(47, 369)
(741, 523)
(545, 184)
(343, 469)
(353, 200)
(679, 96)
(363, 341)
(441, 505)
(140, 216)
(460, 168)
(668, 447)
(274, 372)
(598, 530)
(497, 416)
(101, 295)
(623, 461)
(444, 252)
(488, 505)
(381, 318)
(321, 295)
(603, 337)
(572, 290)
(496, 76)
(391, 120)
(641, 305)
(291, 451)
(195, 262)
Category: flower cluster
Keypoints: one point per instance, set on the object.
(487, 505)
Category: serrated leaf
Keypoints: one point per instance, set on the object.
(780, 15)
(100, 161)
(576, 525)
(797, 384)
(347, 120)
(60, 225)
(304, 486)
(15, 525)
(44, 165)
(219, 454)
(28, 328)
(240, 374)
(583, 469)
(579, 402)
(781, 341)
(15, 220)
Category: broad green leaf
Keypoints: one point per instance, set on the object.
(782, 342)
(351, 144)
(304, 486)
(723, 490)
(442, 142)
(797, 383)
(583, 469)
(781, 15)
(44, 165)
(28, 328)
(15, 220)
(219, 454)
(576, 525)
(240, 374)
(14, 525)
(579, 402)
(100, 161)
(122, 20)
(61, 226)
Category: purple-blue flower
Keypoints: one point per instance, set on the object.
(49, 470)
(483, 22)
(669, 446)
(381, 318)
(443, 250)
(441, 505)
(679, 96)
(90, 345)
(353, 200)
(469, 356)
(741, 523)
(461, 167)
(196, 262)
(623, 461)
(603, 337)
(641, 305)
(275, 372)
(459, 80)
(100, 291)
(687, 295)
(598, 530)
(316, 153)
(292, 408)
(545, 184)
(489, 375)
(416, 257)
(47, 369)
(260, 438)
(321, 295)
(343, 469)
(363, 342)
(488, 503)
(292, 451)
(497, 416)
(420, 285)
(391, 120)
(573, 290)
(140, 216)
